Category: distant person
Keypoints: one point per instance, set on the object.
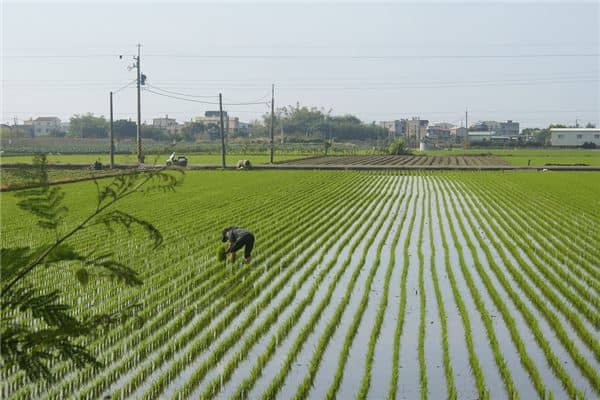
(238, 237)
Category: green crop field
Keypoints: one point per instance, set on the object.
(231, 159)
(369, 285)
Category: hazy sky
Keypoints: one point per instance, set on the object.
(533, 62)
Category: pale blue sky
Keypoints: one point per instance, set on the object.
(533, 62)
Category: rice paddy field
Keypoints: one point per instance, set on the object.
(534, 157)
(409, 161)
(368, 285)
(151, 159)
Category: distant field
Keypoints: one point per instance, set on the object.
(404, 161)
(538, 157)
(150, 159)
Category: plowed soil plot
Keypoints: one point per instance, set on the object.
(362, 285)
(408, 161)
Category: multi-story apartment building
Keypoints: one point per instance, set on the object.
(416, 127)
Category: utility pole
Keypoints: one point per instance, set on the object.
(466, 144)
(112, 141)
(272, 120)
(139, 108)
(222, 131)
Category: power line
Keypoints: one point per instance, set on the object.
(203, 102)
(125, 86)
(375, 57)
(315, 56)
(179, 93)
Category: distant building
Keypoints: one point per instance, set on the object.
(439, 133)
(395, 128)
(416, 127)
(443, 125)
(458, 132)
(230, 124)
(480, 136)
(508, 128)
(572, 137)
(43, 126)
(166, 124)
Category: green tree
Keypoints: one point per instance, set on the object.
(88, 126)
(191, 130)
(12, 133)
(123, 128)
(37, 329)
(151, 132)
(398, 148)
(58, 133)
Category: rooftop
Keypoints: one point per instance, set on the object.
(575, 129)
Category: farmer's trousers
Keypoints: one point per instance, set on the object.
(246, 241)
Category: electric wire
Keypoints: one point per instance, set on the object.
(212, 96)
(124, 86)
(203, 102)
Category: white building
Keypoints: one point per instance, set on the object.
(43, 126)
(572, 137)
(166, 124)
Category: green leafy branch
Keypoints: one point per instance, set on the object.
(37, 329)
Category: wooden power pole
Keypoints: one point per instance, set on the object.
(272, 122)
(112, 140)
(222, 131)
(466, 144)
(139, 108)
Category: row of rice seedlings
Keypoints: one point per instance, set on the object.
(351, 333)
(221, 268)
(586, 218)
(153, 328)
(588, 338)
(421, 345)
(104, 304)
(211, 388)
(402, 308)
(514, 225)
(554, 362)
(366, 379)
(330, 328)
(197, 375)
(485, 316)
(543, 263)
(220, 277)
(577, 265)
(450, 385)
(526, 361)
(473, 360)
(551, 217)
(203, 343)
(280, 335)
(307, 329)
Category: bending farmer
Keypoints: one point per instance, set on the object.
(238, 238)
